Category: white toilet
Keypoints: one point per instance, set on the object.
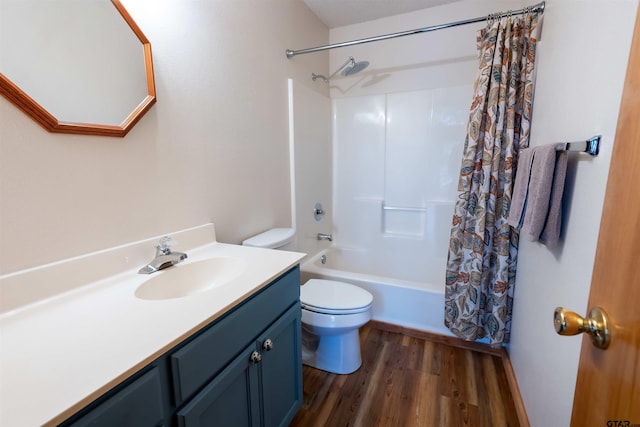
(332, 312)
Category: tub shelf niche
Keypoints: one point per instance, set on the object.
(415, 222)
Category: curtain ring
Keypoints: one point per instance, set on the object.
(492, 18)
(489, 20)
(529, 13)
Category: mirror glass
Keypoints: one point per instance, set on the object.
(80, 60)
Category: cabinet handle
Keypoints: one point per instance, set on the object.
(267, 345)
(256, 357)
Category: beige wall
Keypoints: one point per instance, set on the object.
(213, 148)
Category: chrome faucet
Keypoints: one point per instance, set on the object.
(164, 257)
(322, 236)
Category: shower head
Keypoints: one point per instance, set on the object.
(354, 67)
(349, 68)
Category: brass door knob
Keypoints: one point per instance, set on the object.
(596, 324)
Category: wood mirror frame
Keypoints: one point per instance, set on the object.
(38, 113)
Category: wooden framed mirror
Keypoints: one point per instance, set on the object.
(75, 66)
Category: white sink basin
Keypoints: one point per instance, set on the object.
(187, 279)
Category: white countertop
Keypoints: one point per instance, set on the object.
(59, 354)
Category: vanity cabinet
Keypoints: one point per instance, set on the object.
(245, 369)
(260, 387)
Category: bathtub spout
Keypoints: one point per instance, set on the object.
(322, 236)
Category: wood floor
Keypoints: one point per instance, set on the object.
(407, 381)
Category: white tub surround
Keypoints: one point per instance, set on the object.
(396, 160)
(61, 351)
(310, 150)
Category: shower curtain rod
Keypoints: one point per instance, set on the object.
(538, 8)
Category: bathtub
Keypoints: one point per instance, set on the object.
(403, 294)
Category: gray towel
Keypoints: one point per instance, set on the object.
(536, 206)
(551, 233)
(520, 188)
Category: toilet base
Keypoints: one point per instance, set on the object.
(339, 354)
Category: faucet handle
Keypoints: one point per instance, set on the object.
(165, 243)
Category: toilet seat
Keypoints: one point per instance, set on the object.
(333, 297)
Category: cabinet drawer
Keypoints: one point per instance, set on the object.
(209, 352)
(138, 404)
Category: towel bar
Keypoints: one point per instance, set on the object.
(591, 146)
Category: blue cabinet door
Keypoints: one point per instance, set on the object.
(281, 369)
(267, 393)
(138, 404)
(231, 399)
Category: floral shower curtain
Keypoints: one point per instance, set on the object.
(483, 248)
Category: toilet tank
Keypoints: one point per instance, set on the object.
(276, 238)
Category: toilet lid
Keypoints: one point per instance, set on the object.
(271, 239)
(329, 296)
